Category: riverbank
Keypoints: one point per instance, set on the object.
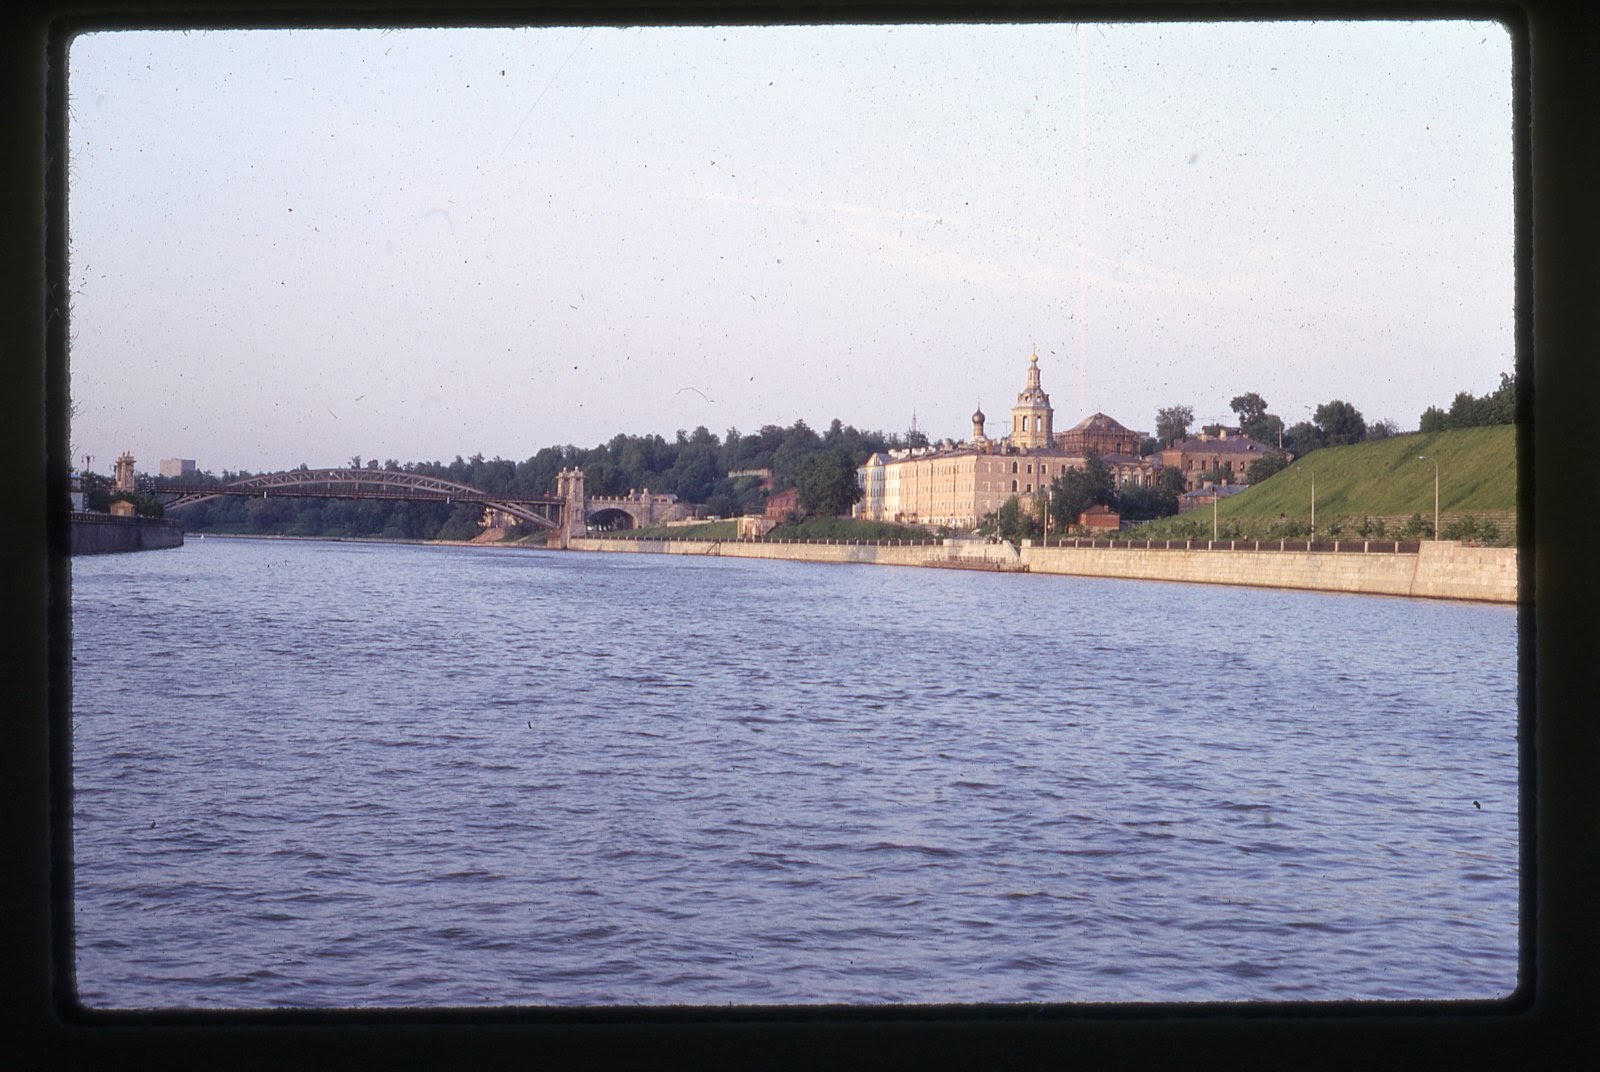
(1432, 569)
(1441, 569)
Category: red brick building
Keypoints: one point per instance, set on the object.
(1100, 519)
(1230, 450)
(1100, 434)
(783, 504)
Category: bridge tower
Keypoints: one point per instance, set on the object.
(124, 473)
(575, 506)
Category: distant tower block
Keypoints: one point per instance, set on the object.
(124, 472)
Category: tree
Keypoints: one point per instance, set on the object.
(1172, 423)
(1075, 490)
(1434, 419)
(1340, 423)
(1012, 522)
(827, 484)
(1304, 438)
(1250, 407)
(1266, 466)
(1497, 407)
(1503, 403)
(1138, 503)
(1254, 420)
(1382, 429)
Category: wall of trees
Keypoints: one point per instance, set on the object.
(693, 466)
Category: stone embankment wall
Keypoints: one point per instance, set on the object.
(1436, 570)
(101, 534)
(880, 554)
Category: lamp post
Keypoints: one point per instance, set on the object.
(1049, 501)
(1435, 461)
(1313, 473)
(1216, 493)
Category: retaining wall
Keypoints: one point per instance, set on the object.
(1435, 570)
(101, 534)
(878, 554)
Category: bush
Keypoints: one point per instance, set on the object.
(1288, 529)
(1470, 529)
(1416, 527)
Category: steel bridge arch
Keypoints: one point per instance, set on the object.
(544, 511)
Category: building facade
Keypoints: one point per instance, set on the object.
(956, 484)
(1229, 450)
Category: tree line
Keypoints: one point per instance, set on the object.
(694, 466)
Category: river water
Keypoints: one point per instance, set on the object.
(317, 774)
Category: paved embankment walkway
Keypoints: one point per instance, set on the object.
(1441, 569)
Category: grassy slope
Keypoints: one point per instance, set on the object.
(1477, 472)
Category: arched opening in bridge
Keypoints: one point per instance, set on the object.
(609, 520)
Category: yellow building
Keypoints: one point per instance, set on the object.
(956, 484)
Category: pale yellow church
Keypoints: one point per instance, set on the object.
(956, 484)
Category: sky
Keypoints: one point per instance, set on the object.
(301, 246)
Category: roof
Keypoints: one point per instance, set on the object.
(1231, 445)
(1099, 422)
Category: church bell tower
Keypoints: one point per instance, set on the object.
(1032, 419)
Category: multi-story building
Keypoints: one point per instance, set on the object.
(1225, 449)
(177, 467)
(956, 484)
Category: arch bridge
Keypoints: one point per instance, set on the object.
(542, 510)
(570, 512)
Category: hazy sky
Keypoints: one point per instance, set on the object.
(300, 246)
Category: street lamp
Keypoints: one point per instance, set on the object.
(1049, 501)
(1435, 461)
(1313, 473)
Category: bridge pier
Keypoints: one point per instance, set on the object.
(574, 506)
